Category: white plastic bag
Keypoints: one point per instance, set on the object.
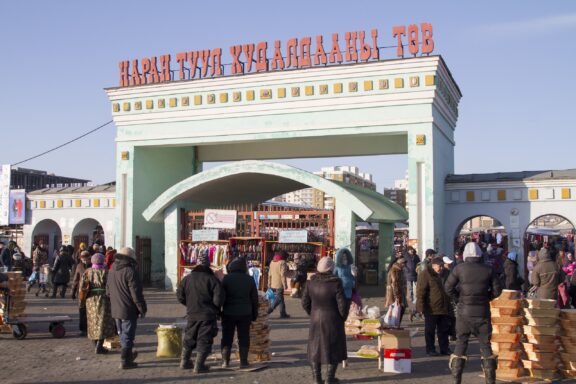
(373, 312)
(392, 318)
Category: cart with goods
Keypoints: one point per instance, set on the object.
(12, 307)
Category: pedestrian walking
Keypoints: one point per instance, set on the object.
(61, 272)
(98, 311)
(324, 300)
(6, 254)
(473, 285)
(513, 280)
(396, 287)
(277, 282)
(411, 276)
(300, 277)
(109, 260)
(39, 258)
(240, 308)
(127, 303)
(201, 292)
(433, 302)
(343, 270)
(449, 265)
(546, 276)
(76, 280)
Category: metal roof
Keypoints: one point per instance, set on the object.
(565, 174)
(75, 190)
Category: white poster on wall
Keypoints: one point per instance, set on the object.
(5, 194)
(220, 218)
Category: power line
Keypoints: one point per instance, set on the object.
(66, 143)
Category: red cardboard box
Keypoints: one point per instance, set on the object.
(398, 360)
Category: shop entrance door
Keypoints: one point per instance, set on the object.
(144, 259)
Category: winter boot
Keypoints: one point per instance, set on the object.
(199, 366)
(185, 362)
(244, 357)
(126, 356)
(317, 373)
(457, 364)
(489, 367)
(331, 374)
(226, 351)
(100, 350)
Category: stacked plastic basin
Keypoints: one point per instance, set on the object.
(507, 319)
(568, 342)
(541, 334)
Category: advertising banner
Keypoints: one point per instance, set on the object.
(220, 218)
(293, 236)
(4, 194)
(17, 206)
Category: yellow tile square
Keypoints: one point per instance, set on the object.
(149, 104)
(338, 88)
(113, 203)
(295, 91)
(309, 90)
(566, 193)
(96, 203)
(398, 82)
(126, 107)
(324, 89)
(237, 96)
(173, 102)
(161, 103)
(138, 105)
(420, 139)
(502, 194)
(116, 107)
(77, 203)
(470, 196)
(368, 85)
(185, 101)
(59, 203)
(533, 194)
(42, 204)
(281, 93)
(124, 155)
(383, 84)
(224, 97)
(430, 80)
(197, 99)
(250, 95)
(265, 94)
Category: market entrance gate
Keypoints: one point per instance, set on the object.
(166, 131)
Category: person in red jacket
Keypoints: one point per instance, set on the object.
(109, 260)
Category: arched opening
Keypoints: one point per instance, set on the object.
(552, 231)
(87, 231)
(48, 232)
(486, 230)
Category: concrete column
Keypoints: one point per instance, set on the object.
(172, 218)
(385, 249)
(345, 229)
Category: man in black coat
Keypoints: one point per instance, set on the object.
(127, 303)
(411, 276)
(240, 308)
(202, 294)
(61, 272)
(473, 285)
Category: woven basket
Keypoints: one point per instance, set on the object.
(539, 364)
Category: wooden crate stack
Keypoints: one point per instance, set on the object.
(568, 342)
(260, 333)
(506, 334)
(16, 288)
(541, 331)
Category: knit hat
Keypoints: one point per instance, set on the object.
(127, 251)
(447, 260)
(97, 258)
(512, 256)
(472, 250)
(203, 259)
(326, 264)
(84, 255)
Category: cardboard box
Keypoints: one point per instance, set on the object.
(395, 339)
(398, 360)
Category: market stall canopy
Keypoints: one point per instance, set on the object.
(257, 181)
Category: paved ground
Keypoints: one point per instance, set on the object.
(42, 359)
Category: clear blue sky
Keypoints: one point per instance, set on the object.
(515, 62)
